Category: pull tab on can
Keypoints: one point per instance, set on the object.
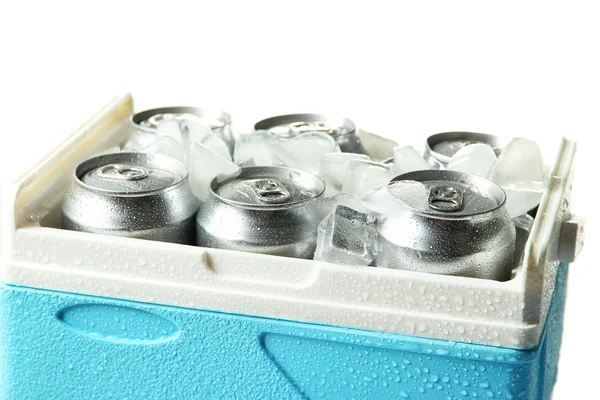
(122, 172)
(270, 191)
(445, 198)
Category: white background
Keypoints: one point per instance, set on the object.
(402, 71)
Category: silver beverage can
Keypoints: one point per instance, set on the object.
(440, 148)
(138, 195)
(341, 129)
(463, 230)
(218, 121)
(262, 210)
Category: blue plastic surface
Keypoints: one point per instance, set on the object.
(57, 345)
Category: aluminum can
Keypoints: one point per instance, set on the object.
(440, 148)
(463, 230)
(341, 129)
(138, 195)
(262, 210)
(219, 121)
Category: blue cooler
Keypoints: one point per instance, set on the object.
(88, 316)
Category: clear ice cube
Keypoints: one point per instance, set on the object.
(204, 165)
(216, 144)
(520, 201)
(320, 207)
(170, 128)
(363, 176)
(520, 166)
(167, 146)
(519, 170)
(257, 146)
(407, 159)
(200, 132)
(396, 198)
(248, 163)
(332, 169)
(194, 130)
(305, 150)
(138, 141)
(477, 158)
(345, 237)
(412, 193)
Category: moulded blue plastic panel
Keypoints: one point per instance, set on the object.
(56, 345)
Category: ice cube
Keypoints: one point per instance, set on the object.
(170, 128)
(407, 159)
(412, 193)
(396, 198)
(204, 165)
(138, 141)
(194, 130)
(321, 206)
(519, 170)
(258, 146)
(332, 169)
(200, 132)
(248, 163)
(216, 144)
(363, 176)
(520, 201)
(167, 146)
(520, 166)
(305, 150)
(345, 237)
(477, 158)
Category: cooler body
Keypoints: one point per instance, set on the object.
(58, 345)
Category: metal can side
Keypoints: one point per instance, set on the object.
(274, 221)
(163, 210)
(476, 241)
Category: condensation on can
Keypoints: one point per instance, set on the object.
(341, 129)
(440, 148)
(218, 121)
(262, 210)
(464, 230)
(138, 195)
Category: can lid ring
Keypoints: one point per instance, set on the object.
(437, 138)
(138, 118)
(265, 173)
(454, 176)
(280, 120)
(124, 159)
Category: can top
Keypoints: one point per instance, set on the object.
(268, 188)
(291, 125)
(130, 173)
(444, 145)
(452, 194)
(148, 120)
